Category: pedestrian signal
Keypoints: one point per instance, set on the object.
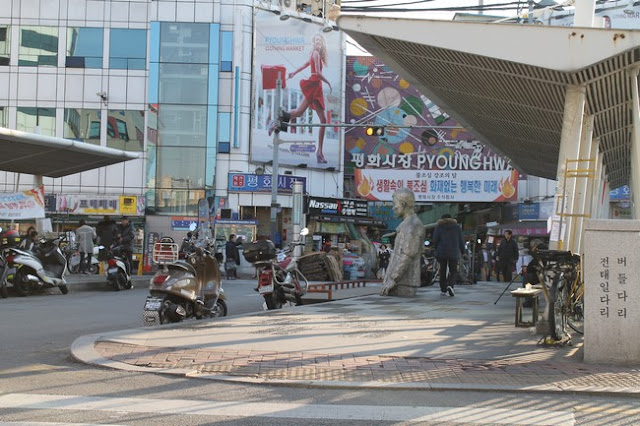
(283, 119)
(374, 131)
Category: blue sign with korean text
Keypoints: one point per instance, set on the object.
(247, 182)
(528, 211)
(620, 194)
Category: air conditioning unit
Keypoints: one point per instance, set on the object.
(289, 4)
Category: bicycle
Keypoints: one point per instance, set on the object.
(560, 274)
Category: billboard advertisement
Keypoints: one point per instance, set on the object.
(309, 63)
(421, 148)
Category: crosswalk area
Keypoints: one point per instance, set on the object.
(306, 413)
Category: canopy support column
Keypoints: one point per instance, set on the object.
(635, 149)
(570, 138)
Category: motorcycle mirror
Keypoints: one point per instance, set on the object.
(304, 231)
(101, 247)
(427, 243)
(193, 226)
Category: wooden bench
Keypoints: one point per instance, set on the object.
(521, 295)
(329, 288)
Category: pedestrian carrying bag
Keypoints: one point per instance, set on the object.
(230, 265)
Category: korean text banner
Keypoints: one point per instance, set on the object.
(445, 185)
(246, 182)
(309, 63)
(22, 205)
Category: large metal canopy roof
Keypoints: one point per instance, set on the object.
(41, 155)
(506, 83)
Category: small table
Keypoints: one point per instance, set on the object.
(521, 294)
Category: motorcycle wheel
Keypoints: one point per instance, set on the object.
(64, 289)
(93, 269)
(121, 282)
(272, 301)
(19, 284)
(217, 310)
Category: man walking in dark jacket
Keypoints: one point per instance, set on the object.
(447, 238)
(507, 255)
(232, 259)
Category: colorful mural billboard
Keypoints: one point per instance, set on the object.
(309, 63)
(427, 150)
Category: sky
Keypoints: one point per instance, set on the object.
(353, 49)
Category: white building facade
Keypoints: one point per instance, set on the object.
(171, 80)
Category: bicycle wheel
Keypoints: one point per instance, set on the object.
(557, 318)
(575, 319)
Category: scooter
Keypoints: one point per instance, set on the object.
(428, 265)
(187, 287)
(45, 267)
(279, 280)
(116, 273)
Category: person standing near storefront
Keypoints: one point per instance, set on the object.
(232, 259)
(507, 256)
(85, 235)
(125, 236)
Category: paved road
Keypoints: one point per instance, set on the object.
(40, 383)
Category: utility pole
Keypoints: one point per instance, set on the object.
(276, 155)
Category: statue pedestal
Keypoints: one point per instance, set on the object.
(612, 292)
(403, 291)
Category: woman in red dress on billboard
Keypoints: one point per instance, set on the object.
(312, 90)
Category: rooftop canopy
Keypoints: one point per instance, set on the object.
(506, 83)
(41, 155)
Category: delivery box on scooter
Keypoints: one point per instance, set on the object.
(259, 251)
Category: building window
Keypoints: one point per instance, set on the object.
(82, 125)
(3, 116)
(38, 47)
(37, 120)
(184, 43)
(226, 51)
(125, 130)
(5, 44)
(183, 83)
(128, 49)
(224, 132)
(84, 47)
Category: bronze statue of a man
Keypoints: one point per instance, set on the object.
(403, 274)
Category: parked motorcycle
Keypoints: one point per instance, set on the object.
(187, 284)
(279, 281)
(4, 266)
(116, 273)
(44, 267)
(428, 266)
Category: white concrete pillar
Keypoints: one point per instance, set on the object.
(634, 184)
(597, 191)
(592, 183)
(582, 170)
(585, 13)
(572, 121)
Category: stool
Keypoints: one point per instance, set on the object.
(521, 295)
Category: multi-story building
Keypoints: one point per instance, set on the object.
(172, 80)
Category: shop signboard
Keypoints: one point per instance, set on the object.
(317, 206)
(446, 185)
(528, 211)
(152, 237)
(22, 205)
(620, 194)
(247, 182)
(128, 205)
(89, 204)
(182, 223)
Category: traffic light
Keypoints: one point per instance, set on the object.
(283, 120)
(374, 131)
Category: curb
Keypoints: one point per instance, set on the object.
(83, 350)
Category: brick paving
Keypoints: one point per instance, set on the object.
(309, 366)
